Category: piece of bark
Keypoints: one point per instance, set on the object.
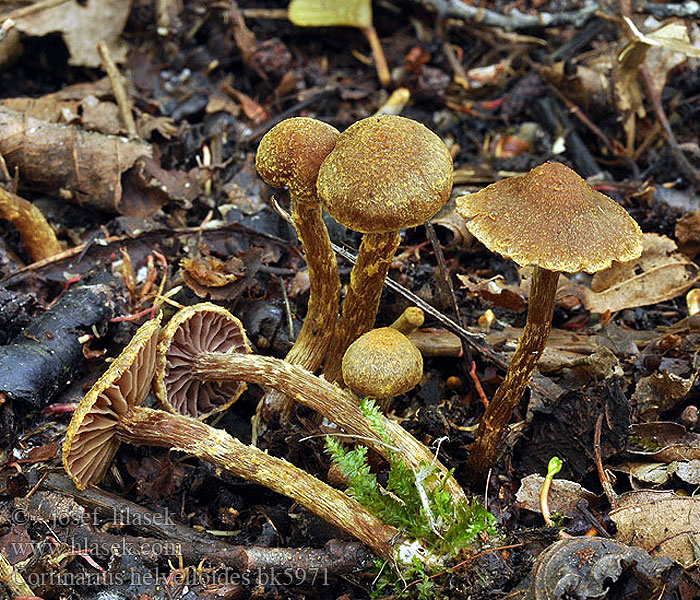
(41, 360)
(16, 312)
(108, 172)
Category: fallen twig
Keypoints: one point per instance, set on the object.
(515, 19)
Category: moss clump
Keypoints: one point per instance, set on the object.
(415, 501)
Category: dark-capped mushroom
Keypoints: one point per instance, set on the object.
(552, 219)
(112, 412)
(384, 174)
(337, 405)
(290, 155)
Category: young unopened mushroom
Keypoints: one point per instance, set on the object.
(385, 173)
(111, 413)
(329, 400)
(290, 155)
(552, 219)
(382, 363)
(204, 327)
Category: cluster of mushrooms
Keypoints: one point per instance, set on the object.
(199, 363)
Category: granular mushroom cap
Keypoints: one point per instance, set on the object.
(550, 217)
(382, 363)
(290, 154)
(385, 173)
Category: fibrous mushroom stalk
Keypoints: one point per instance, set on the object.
(362, 300)
(112, 412)
(158, 428)
(339, 406)
(482, 453)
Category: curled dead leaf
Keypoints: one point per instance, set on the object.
(202, 273)
(660, 392)
(663, 442)
(659, 274)
(454, 225)
(584, 567)
(662, 523)
(563, 495)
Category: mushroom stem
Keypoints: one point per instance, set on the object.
(316, 333)
(409, 320)
(158, 428)
(338, 405)
(324, 286)
(483, 453)
(362, 300)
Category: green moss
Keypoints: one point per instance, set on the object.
(417, 503)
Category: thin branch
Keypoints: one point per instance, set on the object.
(513, 20)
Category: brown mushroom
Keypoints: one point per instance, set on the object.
(290, 155)
(329, 400)
(204, 327)
(382, 363)
(552, 219)
(384, 174)
(112, 412)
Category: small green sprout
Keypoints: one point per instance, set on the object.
(554, 466)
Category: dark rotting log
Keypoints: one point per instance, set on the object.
(41, 360)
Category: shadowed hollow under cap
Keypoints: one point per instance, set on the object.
(550, 217)
(384, 174)
(195, 329)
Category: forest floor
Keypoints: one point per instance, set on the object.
(173, 207)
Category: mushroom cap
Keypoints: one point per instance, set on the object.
(91, 440)
(382, 363)
(203, 327)
(385, 173)
(290, 154)
(551, 218)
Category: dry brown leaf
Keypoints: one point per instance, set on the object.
(659, 274)
(82, 25)
(496, 291)
(108, 172)
(662, 523)
(663, 442)
(660, 392)
(61, 106)
(686, 470)
(456, 226)
(652, 473)
(202, 273)
(563, 495)
(671, 48)
(688, 233)
(254, 111)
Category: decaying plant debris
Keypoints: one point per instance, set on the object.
(129, 189)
